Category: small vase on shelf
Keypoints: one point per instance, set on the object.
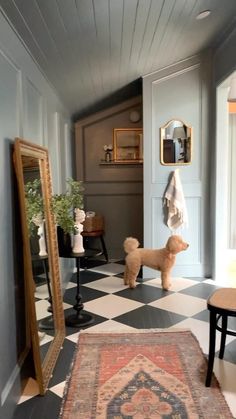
(108, 156)
(108, 149)
(77, 238)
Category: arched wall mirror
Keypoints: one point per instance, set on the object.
(176, 140)
(41, 263)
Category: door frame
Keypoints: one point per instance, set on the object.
(221, 182)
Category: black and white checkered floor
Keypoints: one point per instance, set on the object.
(114, 306)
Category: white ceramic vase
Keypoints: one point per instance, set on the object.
(42, 241)
(78, 238)
(78, 243)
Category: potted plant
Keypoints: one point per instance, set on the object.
(64, 207)
(35, 213)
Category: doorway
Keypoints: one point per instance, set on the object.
(225, 202)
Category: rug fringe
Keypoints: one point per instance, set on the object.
(118, 331)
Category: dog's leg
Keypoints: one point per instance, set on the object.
(132, 276)
(129, 277)
(126, 273)
(165, 280)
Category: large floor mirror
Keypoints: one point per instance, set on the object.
(41, 261)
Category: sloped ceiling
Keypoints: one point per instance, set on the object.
(96, 51)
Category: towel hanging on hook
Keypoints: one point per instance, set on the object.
(174, 202)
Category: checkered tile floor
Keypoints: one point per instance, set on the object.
(114, 306)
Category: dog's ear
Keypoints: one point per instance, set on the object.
(170, 245)
(174, 244)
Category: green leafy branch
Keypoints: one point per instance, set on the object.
(34, 203)
(63, 205)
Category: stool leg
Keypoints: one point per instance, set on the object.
(85, 242)
(223, 336)
(212, 342)
(104, 249)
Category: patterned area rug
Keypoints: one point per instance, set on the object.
(148, 374)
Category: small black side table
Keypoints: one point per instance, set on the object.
(79, 319)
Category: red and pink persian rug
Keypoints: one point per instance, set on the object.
(146, 374)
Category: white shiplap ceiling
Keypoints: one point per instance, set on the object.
(90, 50)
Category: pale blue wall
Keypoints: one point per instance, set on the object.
(182, 92)
(29, 108)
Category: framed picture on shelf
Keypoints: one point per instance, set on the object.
(128, 145)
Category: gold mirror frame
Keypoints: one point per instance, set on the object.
(24, 150)
(176, 142)
(128, 145)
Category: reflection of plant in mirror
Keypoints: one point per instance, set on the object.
(34, 204)
(75, 191)
(63, 205)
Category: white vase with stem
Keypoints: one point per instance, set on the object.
(78, 227)
(39, 222)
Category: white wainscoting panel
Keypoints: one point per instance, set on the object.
(34, 114)
(10, 109)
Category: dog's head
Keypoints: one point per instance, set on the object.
(175, 244)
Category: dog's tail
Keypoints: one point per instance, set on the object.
(130, 244)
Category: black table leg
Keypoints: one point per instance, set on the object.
(78, 319)
(50, 309)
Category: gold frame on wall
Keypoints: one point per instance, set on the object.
(167, 144)
(25, 150)
(128, 145)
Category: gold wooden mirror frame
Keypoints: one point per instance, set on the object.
(128, 145)
(176, 141)
(26, 151)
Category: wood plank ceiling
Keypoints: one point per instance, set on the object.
(90, 49)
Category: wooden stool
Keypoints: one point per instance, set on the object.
(221, 304)
(97, 234)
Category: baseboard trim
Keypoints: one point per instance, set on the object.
(9, 384)
(191, 271)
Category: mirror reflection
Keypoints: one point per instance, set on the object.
(176, 143)
(38, 250)
(41, 261)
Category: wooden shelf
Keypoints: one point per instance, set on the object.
(121, 163)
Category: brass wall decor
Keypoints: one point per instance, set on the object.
(176, 140)
(128, 145)
(33, 160)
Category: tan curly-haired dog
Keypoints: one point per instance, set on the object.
(161, 259)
